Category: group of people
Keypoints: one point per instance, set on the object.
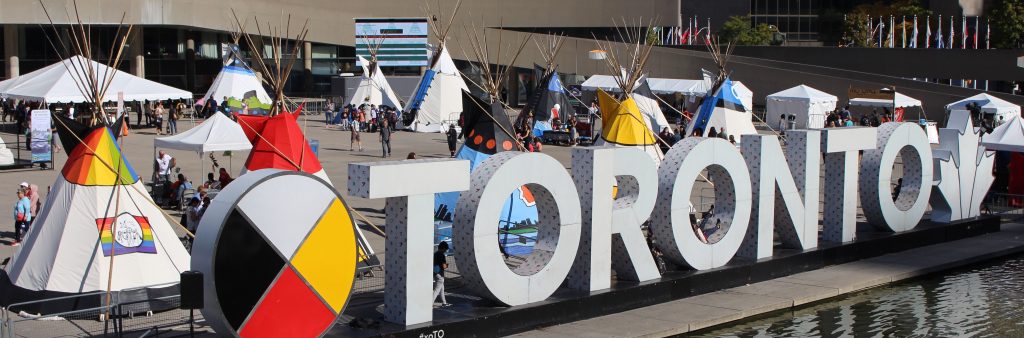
(365, 117)
(156, 112)
(26, 208)
(843, 118)
(172, 194)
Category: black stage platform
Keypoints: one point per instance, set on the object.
(469, 317)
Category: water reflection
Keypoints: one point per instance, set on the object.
(987, 300)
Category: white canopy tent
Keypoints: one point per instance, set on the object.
(989, 105)
(658, 86)
(901, 101)
(1007, 137)
(58, 83)
(809, 105)
(218, 133)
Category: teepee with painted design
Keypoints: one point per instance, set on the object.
(98, 228)
(623, 123)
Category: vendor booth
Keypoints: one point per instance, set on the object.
(808, 105)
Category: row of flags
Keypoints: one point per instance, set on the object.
(693, 33)
(968, 38)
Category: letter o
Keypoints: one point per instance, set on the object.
(910, 142)
(670, 222)
(558, 230)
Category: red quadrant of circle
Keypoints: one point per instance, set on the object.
(290, 309)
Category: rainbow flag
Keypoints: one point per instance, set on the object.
(130, 234)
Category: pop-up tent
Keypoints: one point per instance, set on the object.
(989, 105)
(218, 133)
(809, 105)
(237, 80)
(1007, 137)
(98, 229)
(438, 96)
(57, 83)
(900, 101)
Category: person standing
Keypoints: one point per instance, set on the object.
(440, 265)
(32, 192)
(163, 166)
(453, 138)
(158, 116)
(354, 139)
(329, 112)
(22, 215)
(385, 138)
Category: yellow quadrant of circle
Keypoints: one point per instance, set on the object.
(327, 259)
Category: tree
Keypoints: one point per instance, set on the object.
(1007, 24)
(737, 30)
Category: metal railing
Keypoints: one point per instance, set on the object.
(130, 311)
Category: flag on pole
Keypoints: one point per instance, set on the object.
(689, 30)
(667, 40)
(684, 37)
(913, 37)
(988, 40)
(939, 41)
(903, 22)
(928, 32)
(952, 32)
(871, 31)
(963, 32)
(975, 32)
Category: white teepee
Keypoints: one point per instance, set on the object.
(438, 96)
(90, 214)
(374, 88)
(236, 80)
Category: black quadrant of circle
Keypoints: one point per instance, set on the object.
(245, 265)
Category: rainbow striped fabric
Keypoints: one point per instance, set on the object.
(131, 234)
(98, 161)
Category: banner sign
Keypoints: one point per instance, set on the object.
(868, 93)
(41, 136)
(404, 40)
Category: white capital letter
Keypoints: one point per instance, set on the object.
(410, 223)
(670, 221)
(612, 238)
(796, 209)
(842, 148)
(476, 223)
(910, 142)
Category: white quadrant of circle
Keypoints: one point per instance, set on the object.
(285, 209)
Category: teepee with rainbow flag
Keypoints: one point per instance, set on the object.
(99, 230)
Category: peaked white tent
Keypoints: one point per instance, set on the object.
(98, 226)
(438, 96)
(236, 80)
(809, 105)
(374, 88)
(218, 133)
(56, 83)
(1007, 137)
(989, 105)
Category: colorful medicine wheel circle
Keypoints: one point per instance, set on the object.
(278, 253)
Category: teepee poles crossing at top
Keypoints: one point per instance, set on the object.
(276, 73)
(628, 62)
(91, 82)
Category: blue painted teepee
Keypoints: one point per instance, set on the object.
(487, 132)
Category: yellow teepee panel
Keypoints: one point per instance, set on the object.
(622, 122)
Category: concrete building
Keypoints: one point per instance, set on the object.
(177, 42)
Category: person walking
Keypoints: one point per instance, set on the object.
(22, 215)
(440, 265)
(329, 113)
(453, 138)
(172, 121)
(385, 138)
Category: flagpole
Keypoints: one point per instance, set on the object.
(975, 32)
(963, 32)
(903, 23)
(928, 32)
(892, 31)
(871, 33)
(988, 40)
(952, 32)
